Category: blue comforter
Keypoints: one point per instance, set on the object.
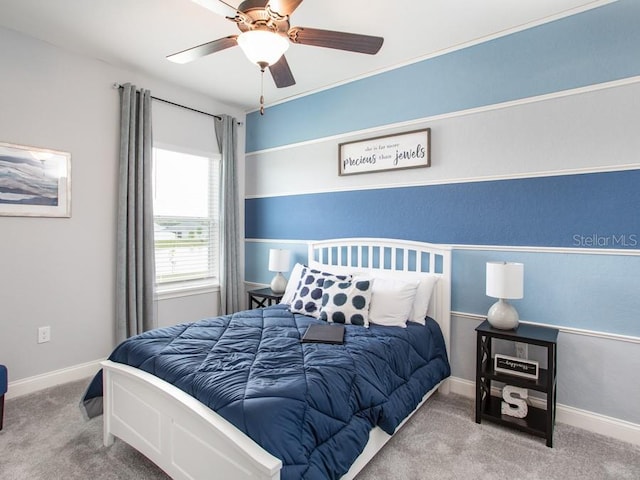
(311, 405)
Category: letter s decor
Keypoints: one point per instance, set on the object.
(514, 404)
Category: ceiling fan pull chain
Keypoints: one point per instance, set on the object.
(262, 91)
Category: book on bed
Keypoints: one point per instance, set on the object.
(324, 333)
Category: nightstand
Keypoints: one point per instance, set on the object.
(263, 297)
(538, 421)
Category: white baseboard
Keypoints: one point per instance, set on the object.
(51, 379)
(593, 422)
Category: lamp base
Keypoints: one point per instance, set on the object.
(278, 284)
(503, 316)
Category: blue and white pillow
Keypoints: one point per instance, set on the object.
(346, 301)
(308, 297)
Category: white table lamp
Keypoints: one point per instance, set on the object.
(279, 262)
(504, 281)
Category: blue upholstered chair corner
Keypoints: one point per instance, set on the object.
(3, 389)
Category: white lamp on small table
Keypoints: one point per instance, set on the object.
(279, 262)
(504, 281)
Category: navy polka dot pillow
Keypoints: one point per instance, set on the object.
(346, 301)
(308, 297)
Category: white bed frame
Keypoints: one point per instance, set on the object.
(188, 440)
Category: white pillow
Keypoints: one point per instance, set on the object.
(423, 297)
(391, 301)
(292, 284)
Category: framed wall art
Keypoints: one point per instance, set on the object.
(389, 152)
(34, 182)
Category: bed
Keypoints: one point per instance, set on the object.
(188, 440)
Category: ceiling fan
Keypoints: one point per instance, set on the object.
(265, 34)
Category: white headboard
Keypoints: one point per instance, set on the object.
(389, 255)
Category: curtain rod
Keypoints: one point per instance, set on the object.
(118, 86)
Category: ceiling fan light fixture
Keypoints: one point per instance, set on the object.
(263, 46)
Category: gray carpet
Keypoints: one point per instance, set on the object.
(45, 437)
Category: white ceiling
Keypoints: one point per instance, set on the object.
(138, 34)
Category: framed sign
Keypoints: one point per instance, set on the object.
(516, 366)
(34, 182)
(389, 152)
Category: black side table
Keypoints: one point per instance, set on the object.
(538, 421)
(263, 297)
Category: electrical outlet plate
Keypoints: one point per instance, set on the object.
(44, 334)
(522, 350)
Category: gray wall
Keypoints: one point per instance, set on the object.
(596, 373)
(60, 271)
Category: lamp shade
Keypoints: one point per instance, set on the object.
(279, 260)
(263, 46)
(505, 280)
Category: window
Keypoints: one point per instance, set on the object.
(185, 203)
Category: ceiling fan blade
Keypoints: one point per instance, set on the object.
(218, 6)
(194, 53)
(351, 42)
(284, 7)
(281, 73)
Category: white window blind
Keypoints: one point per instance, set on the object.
(185, 216)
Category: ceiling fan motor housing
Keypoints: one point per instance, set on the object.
(258, 16)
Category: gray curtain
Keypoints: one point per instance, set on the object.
(229, 231)
(135, 267)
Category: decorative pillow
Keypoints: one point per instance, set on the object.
(293, 283)
(346, 301)
(308, 297)
(391, 301)
(423, 298)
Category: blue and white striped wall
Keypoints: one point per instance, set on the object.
(535, 158)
